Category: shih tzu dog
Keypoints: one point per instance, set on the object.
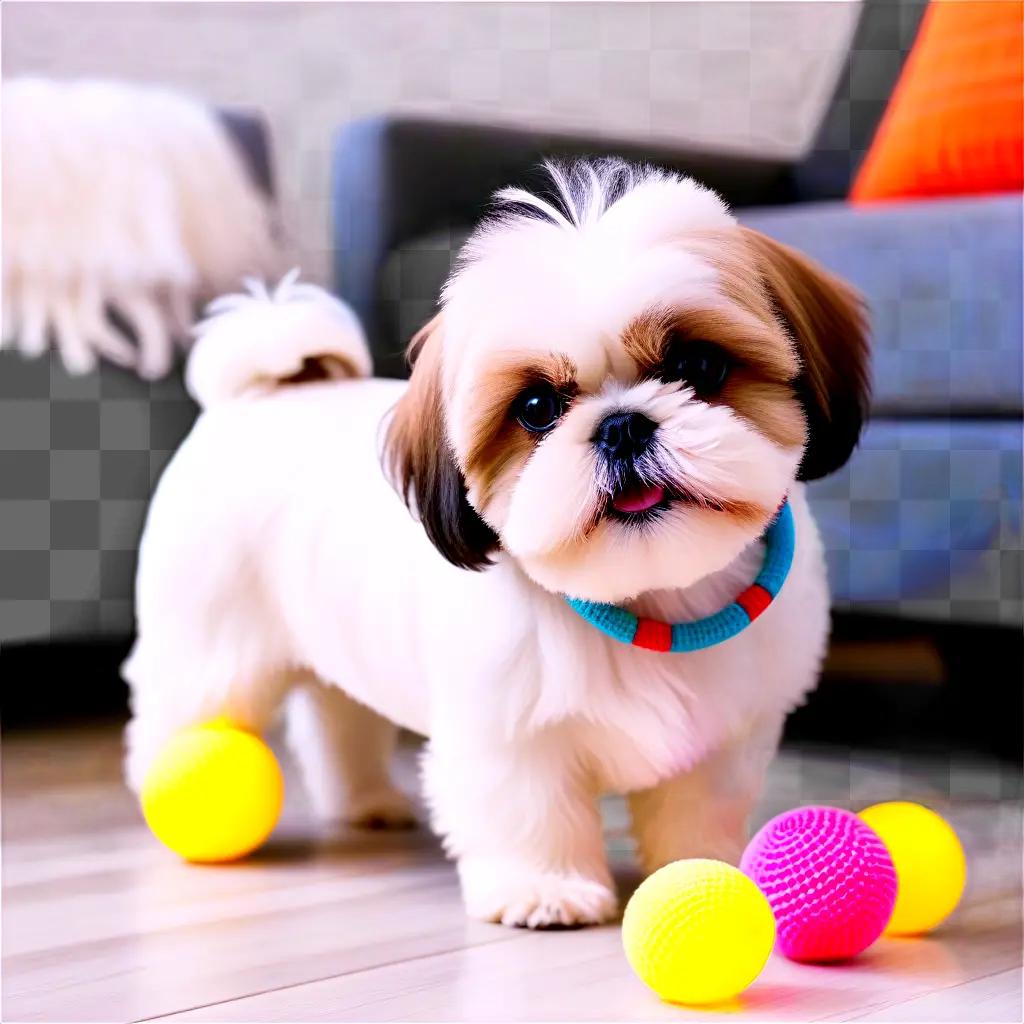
(610, 580)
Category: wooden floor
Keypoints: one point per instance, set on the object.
(102, 924)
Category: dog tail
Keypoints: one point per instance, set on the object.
(254, 343)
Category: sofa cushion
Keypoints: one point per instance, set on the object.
(943, 282)
(925, 521)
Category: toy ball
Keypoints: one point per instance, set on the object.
(829, 879)
(929, 862)
(214, 793)
(698, 931)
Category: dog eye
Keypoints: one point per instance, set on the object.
(701, 364)
(539, 408)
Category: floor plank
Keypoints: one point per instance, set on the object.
(993, 1000)
(543, 977)
(101, 923)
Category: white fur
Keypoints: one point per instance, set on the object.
(249, 342)
(278, 559)
(125, 197)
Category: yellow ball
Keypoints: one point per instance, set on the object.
(929, 861)
(214, 793)
(698, 931)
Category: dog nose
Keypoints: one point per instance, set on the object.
(624, 435)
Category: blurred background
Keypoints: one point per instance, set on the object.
(361, 141)
(754, 77)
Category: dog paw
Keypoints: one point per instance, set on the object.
(381, 809)
(527, 898)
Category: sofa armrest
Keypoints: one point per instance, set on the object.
(397, 178)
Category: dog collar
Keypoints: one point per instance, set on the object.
(677, 637)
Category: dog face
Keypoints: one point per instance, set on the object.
(622, 385)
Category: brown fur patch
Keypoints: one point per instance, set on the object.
(739, 278)
(748, 513)
(765, 364)
(772, 409)
(828, 321)
(499, 442)
(326, 367)
(646, 338)
(756, 345)
(797, 334)
(420, 459)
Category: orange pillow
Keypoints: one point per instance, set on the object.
(955, 122)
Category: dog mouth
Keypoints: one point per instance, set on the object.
(637, 502)
(637, 498)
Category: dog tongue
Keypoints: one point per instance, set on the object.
(638, 499)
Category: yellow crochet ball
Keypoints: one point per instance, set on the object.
(214, 793)
(930, 867)
(698, 931)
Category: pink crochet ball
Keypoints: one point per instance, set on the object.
(828, 878)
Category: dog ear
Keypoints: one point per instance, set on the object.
(421, 462)
(828, 321)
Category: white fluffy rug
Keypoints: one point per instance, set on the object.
(126, 200)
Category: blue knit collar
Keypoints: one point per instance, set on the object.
(677, 637)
